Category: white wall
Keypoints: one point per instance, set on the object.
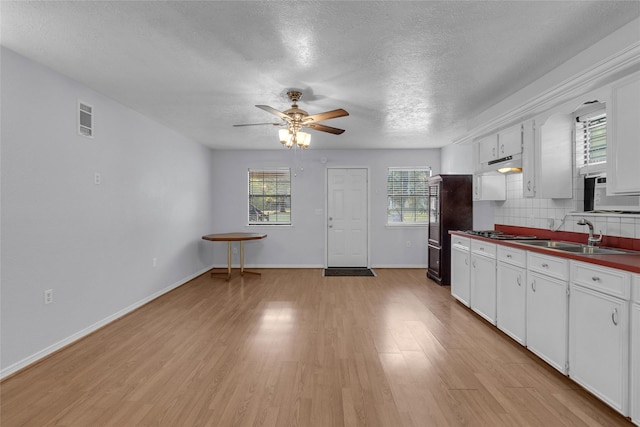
(303, 244)
(92, 244)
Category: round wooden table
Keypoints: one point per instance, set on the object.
(234, 237)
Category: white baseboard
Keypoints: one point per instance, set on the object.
(400, 266)
(250, 267)
(9, 370)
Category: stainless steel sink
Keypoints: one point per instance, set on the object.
(595, 250)
(550, 244)
(577, 248)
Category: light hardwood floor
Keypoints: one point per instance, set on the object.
(296, 348)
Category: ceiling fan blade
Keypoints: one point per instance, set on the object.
(257, 124)
(274, 111)
(324, 128)
(326, 115)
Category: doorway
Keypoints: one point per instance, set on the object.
(347, 217)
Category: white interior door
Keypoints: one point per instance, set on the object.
(347, 218)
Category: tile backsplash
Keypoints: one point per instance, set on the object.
(527, 212)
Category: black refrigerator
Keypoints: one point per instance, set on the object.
(450, 208)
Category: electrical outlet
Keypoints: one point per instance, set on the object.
(408, 244)
(154, 262)
(48, 296)
(97, 178)
(235, 250)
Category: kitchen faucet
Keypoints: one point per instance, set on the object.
(591, 241)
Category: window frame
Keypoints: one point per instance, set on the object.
(283, 223)
(422, 169)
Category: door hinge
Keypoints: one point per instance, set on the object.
(566, 367)
(568, 291)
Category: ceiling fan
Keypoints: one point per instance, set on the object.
(296, 119)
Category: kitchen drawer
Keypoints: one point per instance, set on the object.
(483, 248)
(610, 281)
(460, 241)
(635, 288)
(551, 266)
(512, 256)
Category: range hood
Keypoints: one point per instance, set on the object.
(508, 164)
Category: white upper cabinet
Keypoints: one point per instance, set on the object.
(554, 157)
(489, 187)
(623, 146)
(510, 141)
(507, 142)
(488, 148)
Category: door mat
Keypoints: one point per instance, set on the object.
(348, 271)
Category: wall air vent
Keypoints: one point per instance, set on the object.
(85, 119)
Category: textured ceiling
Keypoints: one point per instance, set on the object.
(409, 73)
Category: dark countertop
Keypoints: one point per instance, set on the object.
(627, 262)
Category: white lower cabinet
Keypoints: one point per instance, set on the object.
(599, 332)
(483, 280)
(511, 293)
(599, 345)
(547, 318)
(635, 351)
(461, 273)
(581, 318)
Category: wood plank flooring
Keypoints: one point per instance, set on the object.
(293, 348)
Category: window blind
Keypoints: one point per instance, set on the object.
(407, 195)
(270, 196)
(591, 141)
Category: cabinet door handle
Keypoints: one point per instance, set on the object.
(474, 264)
(493, 151)
(533, 286)
(614, 316)
(509, 256)
(595, 278)
(466, 261)
(545, 265)
(528, 185)
(518, 280)
(502, 148)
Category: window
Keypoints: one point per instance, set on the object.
(407, 195)
(591, 140)
(270, 196)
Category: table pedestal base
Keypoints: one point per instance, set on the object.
(242, 270)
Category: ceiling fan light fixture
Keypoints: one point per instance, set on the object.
(296, 119)
(303, 139)
(290, 141)
(285, 136)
